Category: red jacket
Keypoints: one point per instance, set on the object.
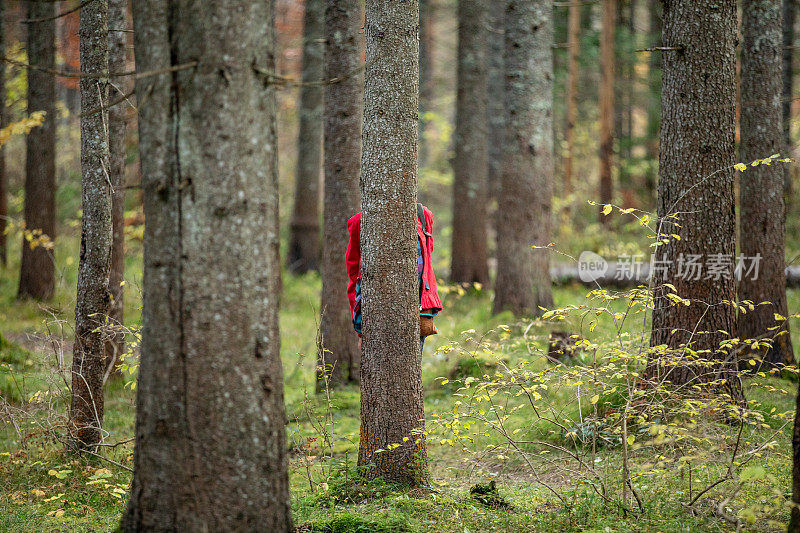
(430, 296)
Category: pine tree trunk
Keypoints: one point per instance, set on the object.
(789, 15)
(469, 254)
(574, 43)
(427, 9)
(495, 106)
(3, 123)
(607, 104)
(761, 209)
(117, 62)
(391, 374)
(523, 274)
(304, 236)
(37, 277)
(344, 112)
(696, 183)
(94, 297)
(210, 423)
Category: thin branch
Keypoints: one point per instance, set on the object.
(111, 104)
(113, 462)
(62, 14)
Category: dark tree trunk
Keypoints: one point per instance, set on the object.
(427, 8)
(761, 209)
(391, 374)
(94, 298)
(607, 104)
(495, 106)
(344, 111)
(789, 14)
(304, 237)
(210, 423)
(523, 273)
(37, 277)
(3, 123)
(574, 44)
(469, 254)
(117, 62)
(654, 96)
(696, 184)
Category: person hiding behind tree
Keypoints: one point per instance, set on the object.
(429, 302)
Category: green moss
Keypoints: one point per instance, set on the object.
(351, 523)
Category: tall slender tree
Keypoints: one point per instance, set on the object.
(94, 268)
(210, 424)
(761, 207)
(37, 277)
(3, 122)
(696, 185)
(427, 10)
(338, 354)
(392, 444)
(607, 103)
(495, 106)
(469, 255)
(304, 234)
(523, 273)
(117, 62)
(574, 43)
(789, 16)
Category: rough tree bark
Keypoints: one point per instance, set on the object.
(117, 62)
(427, 8)
(304, 236)
(469, 255)
(761, 209)
(3, 123)
(696, 183)
(94, 297)
(607, 104)
(495, 103)
(210, 423)
(37, 277)
(338, 351)
(523, 273)
(574, 43)
(789, 15)
(391, 374)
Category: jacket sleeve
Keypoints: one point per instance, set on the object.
(353, 259)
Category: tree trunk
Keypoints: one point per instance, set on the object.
(210, 423)
(37, 277)
(304, 237)
(761, 208)
(696, 184)
(117, 62)
(789, 14)
(574, 43)
(523, 274)
(607, 104)
(392, 444)
(654, 97)
(427, 8)
(3, 123)
(94, 296)
(469, 254)
(495, 105)
(338, 351)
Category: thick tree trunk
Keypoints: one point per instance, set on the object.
(607, 104)
(210, 423)
(392, 444)
(94, 297)
(427, 9)
(696, 185)
(37, 277)
(495, 106)
(3, 123)
(304, 236)
(574, 43)
(117, 62)
(469, 254)
(523, 273)
(338, 351)
(761, 209)
(789, 15)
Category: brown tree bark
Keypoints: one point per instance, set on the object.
(574, 43)
(391, 374)
(789, 16)
(210, 424)
(523, 273)
(495, 106)
(469, 254)
(117, 62)
(607, 104)
(37, 276)
(427, 10)
(94, 296)
(338, 351)
(696, 184)
(3, 123)
(304, 235)
(761, 208)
